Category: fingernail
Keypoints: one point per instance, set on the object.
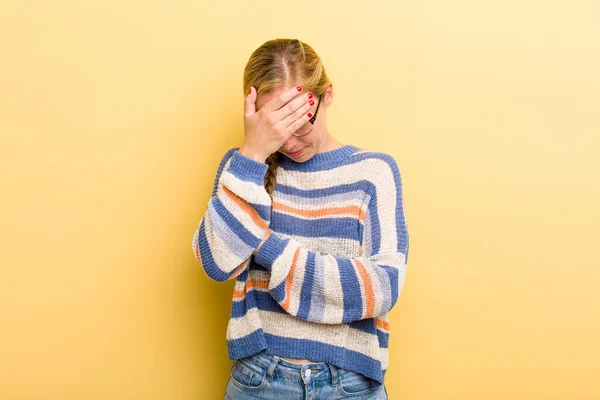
(312, 102)
(250, 90)
(310, 95)
(298, 88)
(309, 115)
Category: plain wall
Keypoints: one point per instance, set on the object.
(114, 116)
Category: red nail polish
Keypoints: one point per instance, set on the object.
(310, 95)
(309, 115)
(250, 91)
(298, 88)
(312, 102)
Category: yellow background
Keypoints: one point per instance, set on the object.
(115, 116)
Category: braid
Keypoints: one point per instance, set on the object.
(271, 175)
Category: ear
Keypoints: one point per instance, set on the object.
(328, 96)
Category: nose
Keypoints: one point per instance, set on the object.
(291, 144)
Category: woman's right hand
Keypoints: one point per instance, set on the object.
(269, 128)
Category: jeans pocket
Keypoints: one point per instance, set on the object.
(352, 383)
(247, 374)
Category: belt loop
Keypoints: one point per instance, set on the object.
(334, 374)
(271, 369)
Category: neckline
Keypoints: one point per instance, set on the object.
(318, 161)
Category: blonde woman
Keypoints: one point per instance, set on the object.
(314, 233)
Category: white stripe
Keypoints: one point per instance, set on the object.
(249, 191)
(342, 335)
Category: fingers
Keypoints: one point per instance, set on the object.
(292, 106)
(250, 103)
(277, 102)
(297, 119)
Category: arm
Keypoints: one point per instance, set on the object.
(328, 289)
(236, 219)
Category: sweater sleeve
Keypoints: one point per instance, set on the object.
(329, 289)
(236, 219)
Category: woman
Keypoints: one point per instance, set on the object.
(314, 232)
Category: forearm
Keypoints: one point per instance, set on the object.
(235, 220)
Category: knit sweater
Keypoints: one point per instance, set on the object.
(322, 284)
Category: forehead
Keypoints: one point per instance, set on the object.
(264, 98)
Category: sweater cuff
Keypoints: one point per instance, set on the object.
(247, 169)
(270, 250)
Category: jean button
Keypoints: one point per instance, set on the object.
(307, 373)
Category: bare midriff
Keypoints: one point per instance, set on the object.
(298, 360)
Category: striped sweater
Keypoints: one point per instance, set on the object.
(321, 286)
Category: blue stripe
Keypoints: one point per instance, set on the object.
(247, 169)
(307, 285)
(393, 281)
(364, 325)
(374, 227)
(220, 168)
(247, 345)
(319, 298)
(334, 227)
(351, 288)
(208, 262)
(270, 250)
(383, 338)
(324, 192)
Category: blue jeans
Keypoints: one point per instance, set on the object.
(269, 377)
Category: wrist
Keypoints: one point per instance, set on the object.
(252, 155)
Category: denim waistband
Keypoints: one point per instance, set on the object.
(318, 370)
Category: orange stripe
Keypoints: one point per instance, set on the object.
(239, 294)
(250, 284)
(382, 324)
(251, 211)
(288, 281)
(321, 212)
(369, 293)
(258, 284)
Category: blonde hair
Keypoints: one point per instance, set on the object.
(278, 63)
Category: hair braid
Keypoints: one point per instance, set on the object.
(271, 176)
